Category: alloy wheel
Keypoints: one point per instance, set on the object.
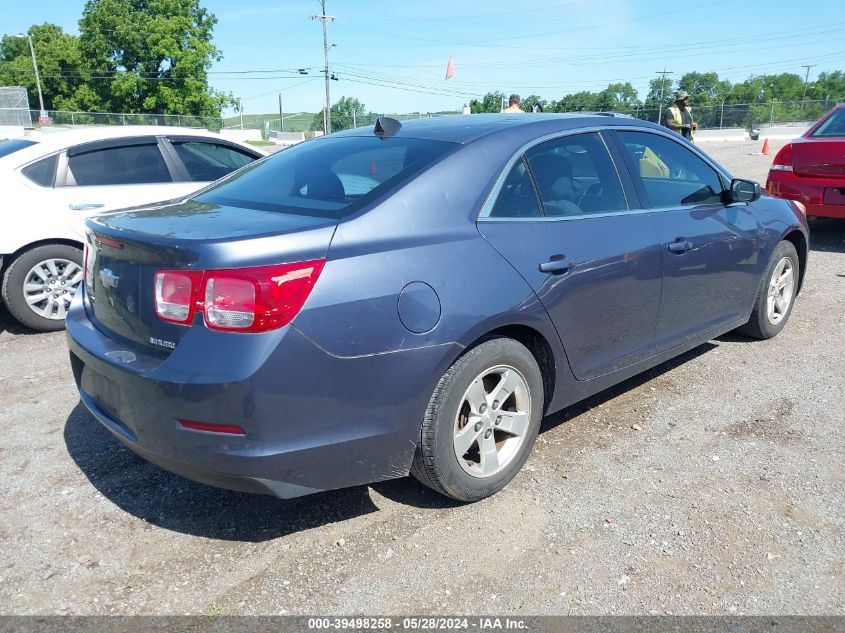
(50, 285)
(492, 421)
(781, 291)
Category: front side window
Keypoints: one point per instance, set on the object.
(129, 165)
(575, 176)
(834, 125)
(330, 178)
(671, 174)
(517, 199)
(209, 161)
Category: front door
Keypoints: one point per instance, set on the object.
(594, 264)
(710, 250)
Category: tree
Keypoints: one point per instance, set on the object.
(529, 101)
(150, 56)
(491, 102)
(59, 64)
(342, 114)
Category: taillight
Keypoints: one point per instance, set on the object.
(176, 294)
(242, 299)
(783, 159)
(258, 299)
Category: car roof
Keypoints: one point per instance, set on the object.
(50, 140)
(467, 128)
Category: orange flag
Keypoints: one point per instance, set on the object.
(450, 68)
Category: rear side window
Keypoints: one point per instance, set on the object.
(331, 177)
(42, 172)
(209, 161)
(834, 125)
(671, 174)
(575, 176)
(517, 198)
(129, 165)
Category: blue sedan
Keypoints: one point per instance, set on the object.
(415, 297)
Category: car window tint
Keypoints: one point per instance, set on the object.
(130, 165)
(13, 145)
(42, 172)
(209, 161)
(575, 176)
(517, 198)
(329, 177)
(671, 174)
(834, 125)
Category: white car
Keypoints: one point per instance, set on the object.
(51, 182)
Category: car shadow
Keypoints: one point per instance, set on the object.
(175, 503)
(827, 235)
(9, 324)
(565, 415)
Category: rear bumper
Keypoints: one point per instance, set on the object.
(821, 196)
(312, 421)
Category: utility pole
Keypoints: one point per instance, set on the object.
(663, 72)
(281, 114)
(35, 68)
(806, 77)
(327, 112)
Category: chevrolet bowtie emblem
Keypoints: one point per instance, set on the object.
(108, 278)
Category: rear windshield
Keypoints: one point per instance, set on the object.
(330, 178)
(7, 147)
(834, 125)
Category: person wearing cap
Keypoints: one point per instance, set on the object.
(679, 116)
(513, 104)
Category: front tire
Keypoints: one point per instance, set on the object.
(776, 296)
(481, 421)
(39, 285)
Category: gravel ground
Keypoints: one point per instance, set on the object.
(727, 501)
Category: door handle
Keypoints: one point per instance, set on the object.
(85, 204)
(557, 265)
(680, 246)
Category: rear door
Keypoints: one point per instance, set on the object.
(593, 262)
(710, 250)
(107, 175)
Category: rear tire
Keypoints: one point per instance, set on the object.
(487, 407)
(776, 295)
(58, 268)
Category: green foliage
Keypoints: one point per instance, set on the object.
(151, 56)
(59, 63)
(144, 56)
(491, 102)
(342, 114)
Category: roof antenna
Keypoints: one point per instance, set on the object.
(386, 127)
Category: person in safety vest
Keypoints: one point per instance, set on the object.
(679, 116)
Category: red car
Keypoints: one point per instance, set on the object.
(811, 169)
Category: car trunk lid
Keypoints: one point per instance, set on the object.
(126, 249)
(819, 157)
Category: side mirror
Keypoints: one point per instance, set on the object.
(744, 190)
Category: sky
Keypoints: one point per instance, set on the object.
(392, 56)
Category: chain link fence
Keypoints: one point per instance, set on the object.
(709, 116)
(70, 119)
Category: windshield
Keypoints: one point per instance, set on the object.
(834, 125)
(8, 147)
(330, 178)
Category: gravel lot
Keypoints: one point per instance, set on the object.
(728, 500)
